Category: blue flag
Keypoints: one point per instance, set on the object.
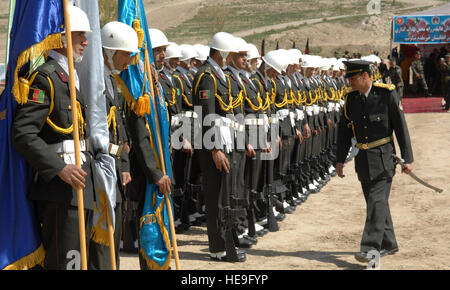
(155, 240)
(35, 29)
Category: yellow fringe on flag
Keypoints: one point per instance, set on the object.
(152, 264)
(99, 233)
(139, 107)
(28, 262)
(21, 87)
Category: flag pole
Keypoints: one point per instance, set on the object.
(163, 165)
(112, 250)
(76, 138)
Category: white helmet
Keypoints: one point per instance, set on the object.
(325, 64)
(202, 52)
(252, 52)
(273, 59)
(187, 52)
(308, 61)
(173, 51)
(294, 57)
(297, 54)
(241, 45)
(224, 42)
(119, 36)
(78, 20)
(158, 38)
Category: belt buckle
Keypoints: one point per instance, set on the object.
(364, 146)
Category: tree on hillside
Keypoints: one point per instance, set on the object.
(108, 11)
(217, 14)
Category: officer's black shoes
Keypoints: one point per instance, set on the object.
(365, 257)
(280, 217)
(222, 256)
(253, 240)
(245, 243)
(385, 252)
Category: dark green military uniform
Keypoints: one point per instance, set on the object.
(187, 171)
(172, 92)
(240, 194)
(372, 121)
(256, 137)
(211, 92)
(117, 138)
(419, 75)
(396, 78)
(266, 181)
(38, 131)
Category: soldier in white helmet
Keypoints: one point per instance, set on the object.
(42, 133)
(143, 161)
(173, 54)
(171, 90)
(187, 171)
(119, 41)
(217, 156)
(202, 55)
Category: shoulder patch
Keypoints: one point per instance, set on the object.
(36, 96)
(205, 94)
(384, 86)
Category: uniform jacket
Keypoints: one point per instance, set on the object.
(32, 136)
(373, 119)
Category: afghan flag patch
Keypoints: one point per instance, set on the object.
(205, 95)
(37, 96)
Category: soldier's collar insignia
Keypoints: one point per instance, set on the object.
(62, 76)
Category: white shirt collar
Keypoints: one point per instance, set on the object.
(108, 82)
(62, 61)
(235, 72)
(217, 68)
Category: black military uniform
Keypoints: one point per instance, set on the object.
(212, 93)
(266, 181)
(396, 78)
(188, 167)
(256, 137)
(240, 199)
(172, 91)
(42, 132)
(372, 120)
(117, 138)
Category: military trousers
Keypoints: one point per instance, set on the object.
(101, 259)
(378, 230)
(217, 187)
(60, 235)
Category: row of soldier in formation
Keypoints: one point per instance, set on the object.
(274, 131)
(274, 134)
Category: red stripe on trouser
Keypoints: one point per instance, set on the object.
(56, 235)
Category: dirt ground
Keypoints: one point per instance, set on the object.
(325, 231)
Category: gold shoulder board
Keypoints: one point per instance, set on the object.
(385, 86)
